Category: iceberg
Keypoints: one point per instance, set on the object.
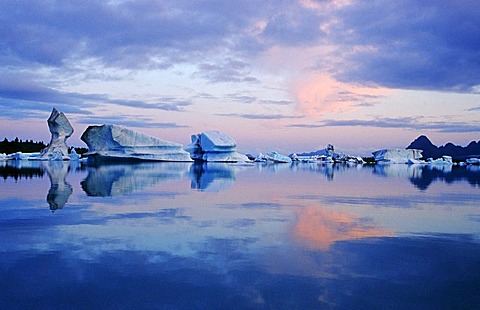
(23, 156)
(473, 161)
(412, 161)
(396, 156)
(444, 160)
(273, 157)
(61, 130)
(214, 146)
(74, 155)
(328, 156)
(112, 142)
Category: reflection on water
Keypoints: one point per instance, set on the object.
(121, 179)
(320, 228)
(188, 235)
(429, 175)
(422, 176)
(19, 169)
(60, 189)
(212, 176)
(326, 169)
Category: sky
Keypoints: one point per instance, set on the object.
(286, 76)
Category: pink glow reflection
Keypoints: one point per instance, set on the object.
(320, 228)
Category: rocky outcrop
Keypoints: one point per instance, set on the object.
(455, 151)
(115, 142)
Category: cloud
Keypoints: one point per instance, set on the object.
(22, 94)
(165, 103)
(402, 44)
(276, 102)
(238, 97)
(409, 44)
(246, 99)
(123, 34)
(294, 25)
(128, 121)
(414, 123)
(474, 109)
(225, 71)
(319, 94)
(260, 116)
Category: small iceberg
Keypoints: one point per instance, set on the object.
(473, 161)
(214, 146)
(273, 157)
(22, 156)
(444, 160)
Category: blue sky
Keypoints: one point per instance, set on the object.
(274, 75)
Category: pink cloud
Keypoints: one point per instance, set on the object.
(319, 94)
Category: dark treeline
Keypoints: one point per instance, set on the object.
(28, 146)
(17, 145)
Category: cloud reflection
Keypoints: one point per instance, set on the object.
(319, 228)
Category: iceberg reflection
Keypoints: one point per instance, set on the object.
(422, 176)
(60, 190)
(121, 179)
(212, 177)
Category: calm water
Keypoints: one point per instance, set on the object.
(178, 235)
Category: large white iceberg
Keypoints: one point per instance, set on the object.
(115, 142)
(396, 156)
(61, 130)
(214, 146)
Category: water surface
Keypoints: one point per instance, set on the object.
(182, 235)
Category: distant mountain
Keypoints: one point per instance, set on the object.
(456, 151)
